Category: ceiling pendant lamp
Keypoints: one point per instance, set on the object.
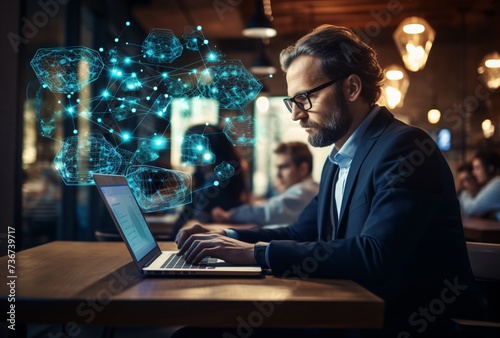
(259, 26)
(489, 70)
(262, 65)
(414, 37)
(395, 86)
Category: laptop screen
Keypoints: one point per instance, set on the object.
(130, 219)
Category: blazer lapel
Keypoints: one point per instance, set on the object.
(377, 126)
(325, 202)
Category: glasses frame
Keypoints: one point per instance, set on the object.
(289, 100)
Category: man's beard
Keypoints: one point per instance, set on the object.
(334, 127)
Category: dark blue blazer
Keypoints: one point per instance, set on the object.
(399, 232)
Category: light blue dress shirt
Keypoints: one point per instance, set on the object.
(343, 157)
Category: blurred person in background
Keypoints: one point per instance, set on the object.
(294, 164)
(486, 202)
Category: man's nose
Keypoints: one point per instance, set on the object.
(297, 113)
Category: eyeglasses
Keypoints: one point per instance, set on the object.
(302, 100)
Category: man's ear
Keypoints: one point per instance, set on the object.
(353, 87)
(303, 169)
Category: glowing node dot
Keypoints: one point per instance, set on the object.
(126, 136)
(68, 96)
(148, 98)
(111, 131)
(99, 120)
(127, 60)
(206, 123)
(164, 74)
(205, 42)
(127, 23)
(198, 28)
(216, 183)
(75, 131)
(133, 110)
(101, 49)
(270, 75)
(78, 100)
(155, 88)
(116, 39)
(158, 143)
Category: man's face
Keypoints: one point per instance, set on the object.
(479, 171)
(329, 118)
(287, 173)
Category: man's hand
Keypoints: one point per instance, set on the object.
(197, 242)
(184, 234)
(220, 215)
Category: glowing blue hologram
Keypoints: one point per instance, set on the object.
(224, 171)
(196, 150)
(61, 69)
(146, 152)
(160, 106)
(159, 189)
(230, 84)
(193, 38)
(161, 46)
(125, 107)
(112, 56)
(46, 126)
(131, 83)
(240, 130)
(81, 156)
(127, 160)
(133, 102)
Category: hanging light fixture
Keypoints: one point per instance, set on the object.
(395, 86)
(489, 70)
(262, 65)
(260, 25)
(414, 38)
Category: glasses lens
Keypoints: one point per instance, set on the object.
(302, 101)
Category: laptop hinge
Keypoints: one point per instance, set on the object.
(152, 260)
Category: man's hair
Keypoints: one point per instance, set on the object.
(339, 51)
(298, 151)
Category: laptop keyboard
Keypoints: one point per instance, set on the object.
(178, 262)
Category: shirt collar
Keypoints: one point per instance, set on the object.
(344, 155)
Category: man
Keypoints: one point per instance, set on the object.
(293, 163)
(386, 215)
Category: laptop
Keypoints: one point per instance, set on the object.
(144, 249)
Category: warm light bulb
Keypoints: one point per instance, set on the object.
(433, 116)
(492, 63)
(488, 128)
(413, 28)
(394, 75)
(393, 96)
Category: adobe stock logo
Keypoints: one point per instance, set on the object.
(29, 28)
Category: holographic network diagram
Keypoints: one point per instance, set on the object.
(125, 101)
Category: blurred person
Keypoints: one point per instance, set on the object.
(465, 181)
(486, 202)
(386, 215)
(294, 164)
(228, 194)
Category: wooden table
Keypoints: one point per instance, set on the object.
(481, 230)
(96, 283)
